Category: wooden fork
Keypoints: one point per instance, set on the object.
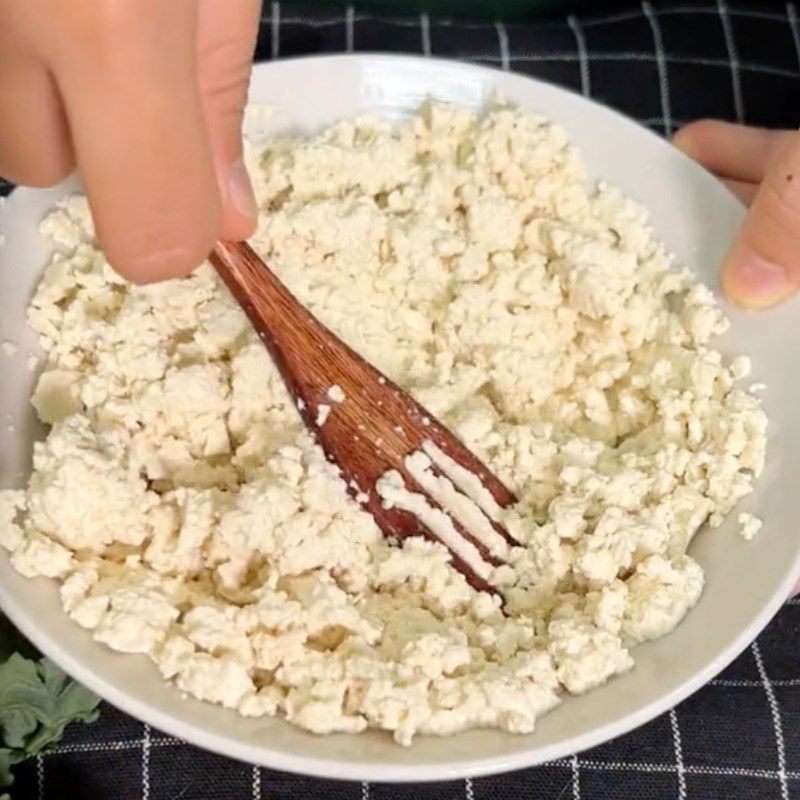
(368, 426)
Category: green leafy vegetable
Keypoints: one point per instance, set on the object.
(37, 702)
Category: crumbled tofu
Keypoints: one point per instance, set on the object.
(336, 394)
(57, 395)
(190, 516)
(11, 503)
(36, 555)
(323, 412)
(258, 117)
(749, 526)
(9, 348)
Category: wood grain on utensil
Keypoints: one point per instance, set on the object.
(377, 424)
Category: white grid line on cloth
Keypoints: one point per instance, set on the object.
(39, 777)
(627, 16)
(633, 55)
(425, 33)
(365, 794)
(349, 28)
(95, 747)
(112, 746)
(400, 22)
(146, 762)
(308, 22)
(791, 15)
(256, 782)
(678, 747)
(502, 43)
(609, 19)
(669, 769)
(275, 29)
(733, 57)
(583, 55)
(576, 778)
(469, 790)
(165, 741)
(745, 684)
(661, 66)
(776, 720)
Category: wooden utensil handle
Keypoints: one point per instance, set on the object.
(265, 300)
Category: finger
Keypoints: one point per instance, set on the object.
(731, 151)
(763, 267)
(226, 40)
(128, 75)
(743, 190)
(35, 148)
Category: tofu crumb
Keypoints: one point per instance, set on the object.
(258, 118)
(741, 367)
(749, 526)
(9, 348)
(323, 411)
(336, 394)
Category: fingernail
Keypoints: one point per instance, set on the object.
(753, 282)
(239, 191)
(685, 140)
(681, 141)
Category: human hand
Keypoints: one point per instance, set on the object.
(763, 168)
(146, 98)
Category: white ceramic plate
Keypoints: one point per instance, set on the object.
(747, 582)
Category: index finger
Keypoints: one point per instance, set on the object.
(127, 72)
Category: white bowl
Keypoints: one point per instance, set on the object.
(747, 582)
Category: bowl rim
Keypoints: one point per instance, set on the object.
(349, 770)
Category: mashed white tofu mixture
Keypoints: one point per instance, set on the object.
(189, 516)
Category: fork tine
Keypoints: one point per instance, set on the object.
(499, 528)
(453, 447)
(399, 524)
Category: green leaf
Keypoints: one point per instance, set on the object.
(37, 702)
(6, 778)
(23, 700)
(71, 703)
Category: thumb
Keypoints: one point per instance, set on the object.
(226, 40)
(763, 267)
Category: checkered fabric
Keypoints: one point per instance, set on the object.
(739, 737)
